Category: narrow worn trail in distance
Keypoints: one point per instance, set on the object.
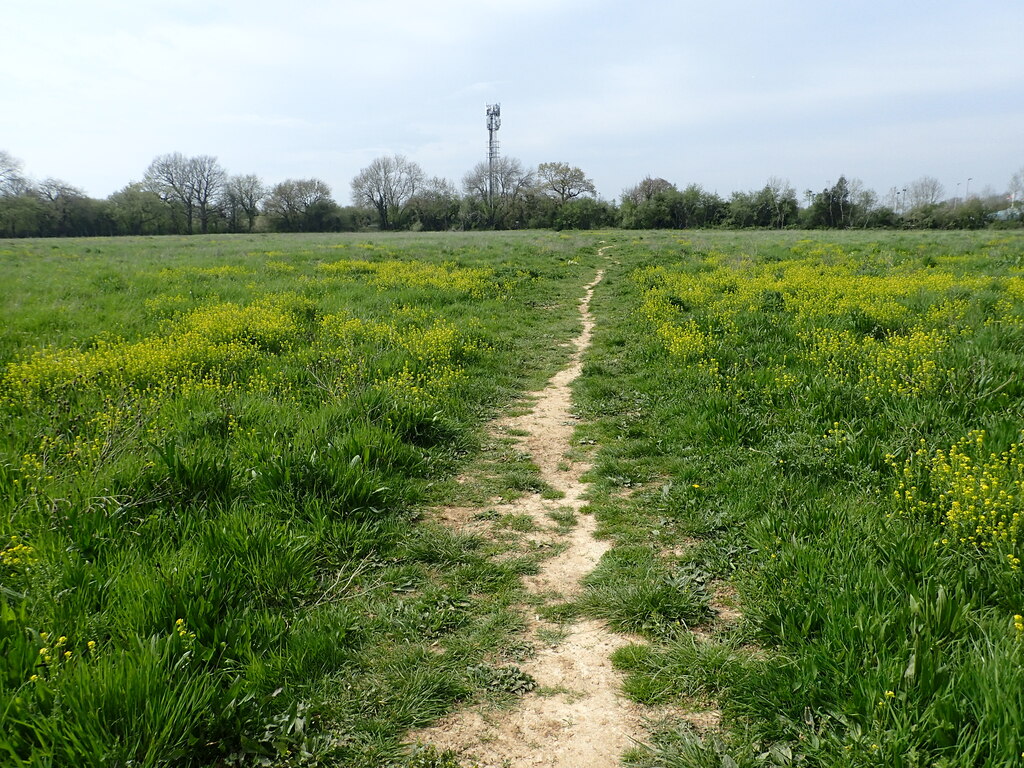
(577, 716)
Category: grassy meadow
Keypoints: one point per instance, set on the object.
(213, 457)
(215, 454)
(823, 435)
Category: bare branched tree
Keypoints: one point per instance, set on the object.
(1015, 189)
(194, 183)
(207, 179)
(926, 190)
(512, 184)
(783, 200)
(386, 185)
(53, 190)
(511, 180)
(169, 177)
(242, 196)
(12, 182)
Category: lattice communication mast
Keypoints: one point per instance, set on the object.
(493, 124)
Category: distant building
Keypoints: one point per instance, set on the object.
(1007, 214)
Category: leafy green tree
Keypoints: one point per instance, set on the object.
(436, 206)
(743, 210)
(925, 216)
(832, 207)
(655, 212)
(586, 213)
(300, 205)
(138, 210)
(670, 208)
(697, 207)
(640, 210)
(353, 219)
(881, 217)
(772, 206)
(71, 213)
(563, 182)
(538, 211)
(323, 216)
(645, 189)
(22, 215)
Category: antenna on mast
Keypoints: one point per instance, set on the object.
(493, 124)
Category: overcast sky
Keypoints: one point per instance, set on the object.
(724, 94)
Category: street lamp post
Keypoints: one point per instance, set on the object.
(967, 191)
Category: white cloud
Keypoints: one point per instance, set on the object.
(720, 93)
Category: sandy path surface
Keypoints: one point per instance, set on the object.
(577, 716)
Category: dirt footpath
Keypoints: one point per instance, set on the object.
(577, 716)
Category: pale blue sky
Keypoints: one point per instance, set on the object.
(724, 94)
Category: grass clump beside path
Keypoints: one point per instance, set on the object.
(212, 454)
(825, 435)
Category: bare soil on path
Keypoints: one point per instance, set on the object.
(577, 716)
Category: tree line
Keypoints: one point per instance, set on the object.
(185, 195)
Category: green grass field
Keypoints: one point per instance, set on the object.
(215, 454)
(826, 434)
